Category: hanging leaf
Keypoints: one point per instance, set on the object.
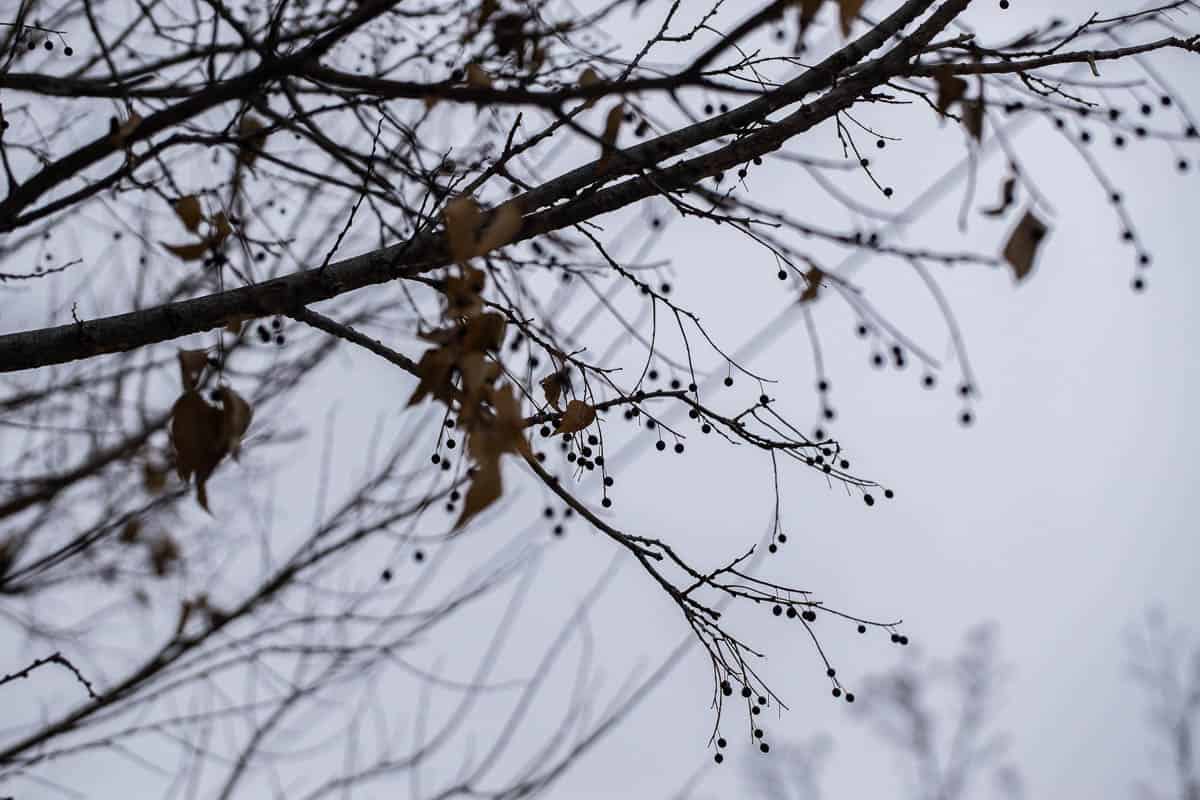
(1008, 195)
(464, 295)
(608, 139)
(477, 77)
(235, 419)
(504, 227)
(187, 252)
(189, 211)
(553, 385)
(485, 489)
(434, 371)
(195, 432)
(972, 118)
(813, 277)
(221, 229)
(462, 218)
(191, 364)
(951, 88)
(252, 135)
(577, 417)
(849, 12)
(808, 11)
(1021, 250)
(120, 131)
(484, 333)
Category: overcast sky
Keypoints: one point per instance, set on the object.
(1063, 513)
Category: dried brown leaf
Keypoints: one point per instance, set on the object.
(191, 364)
(849, 12)
(120, 131)
(189, 211)
(252, 135)
(553, 385)
(577, 416)
(485, 489)
(462, 218)
(504, 227)
(608, 139)
(813, 277)
(951, 88)
(196, 436)
(972, 118)
(188, 252)
(1021, 250)
(478, 77)
(1008, 195)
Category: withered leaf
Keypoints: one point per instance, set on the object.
(504, 227)
(951, 88)
(119, 131)
(808, 11)
(577, 416)
(608, 139)
(189, 211)
(252, 134)
(1021, 250)
(464, 292)
(196, 436)
(485, 332)
(972, 118)
(553, 385)
(191, 364)
(187, 252)
(434, 371)
(462, 218)
(813, 277)
(485, 489)
(1008, 195)
(849, 12)
(477, 77)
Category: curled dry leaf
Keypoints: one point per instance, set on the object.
(485, 489)
(848, 10)
(808, 11)
(252, 135)
(120, 131)
(972, 118)
(202, 434)
(951, 88)
(608, 139)
(577, 416)
(189, 211)
(553, 385)
(462, 218)
(187, 252)
(195, 432)
(504, 227)
(1021, 250)
(191, 364)
(813, 277)
(1008, 195)
(478, 77)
